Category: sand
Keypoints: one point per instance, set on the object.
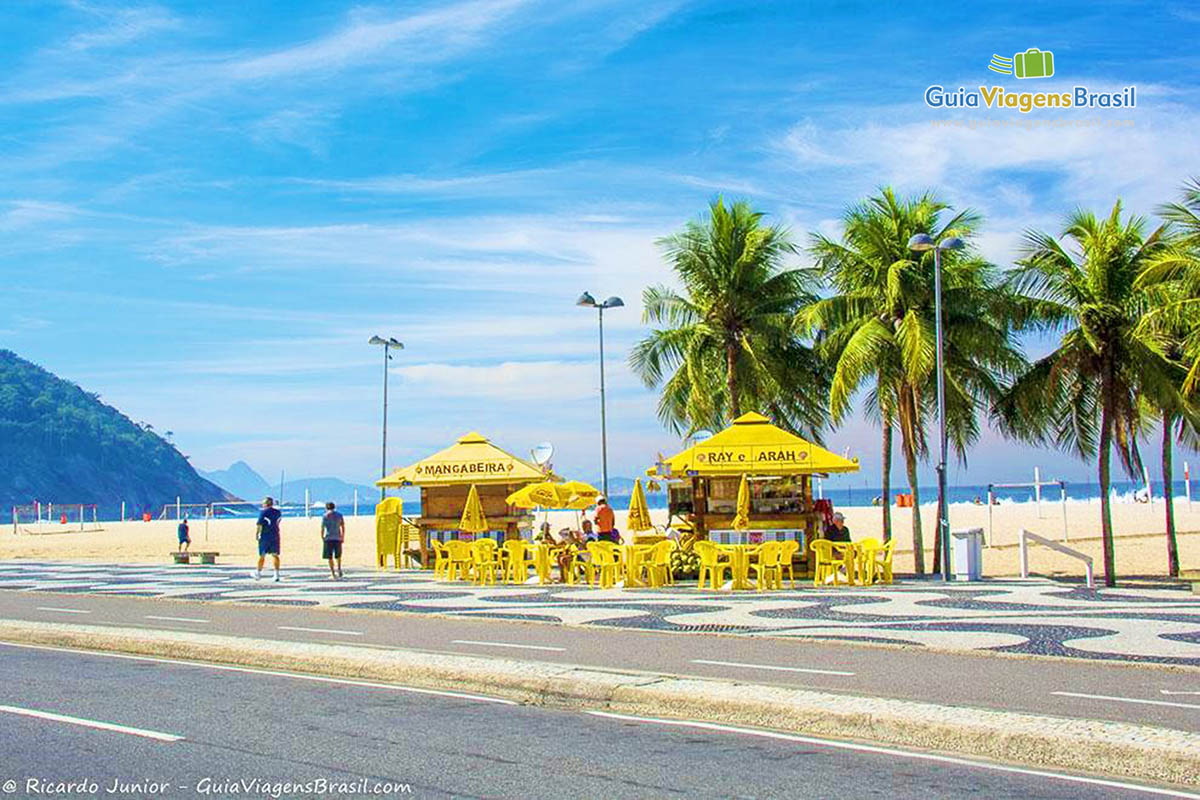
(1140, 548)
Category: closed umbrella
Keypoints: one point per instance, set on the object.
(473, 519)
(741, 520)
(639, 514)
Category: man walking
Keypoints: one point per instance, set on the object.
(268, 537)
(333, 533)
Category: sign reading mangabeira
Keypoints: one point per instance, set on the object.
(465, 468)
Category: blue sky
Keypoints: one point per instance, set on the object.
(208, 208)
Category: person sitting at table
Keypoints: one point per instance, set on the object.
(838, 532)
(587, 534)
(544, 535)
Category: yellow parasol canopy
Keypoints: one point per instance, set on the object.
(473, 519)
(545, 494)
(582, 494)
(472, 459)
(752, 445)
(741, 520)
(639, 514)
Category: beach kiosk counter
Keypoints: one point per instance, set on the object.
(703, 481)
(445, 478)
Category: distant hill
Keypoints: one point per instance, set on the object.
(241, 480)
(61, 444)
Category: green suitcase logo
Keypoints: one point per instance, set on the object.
(1033, 63)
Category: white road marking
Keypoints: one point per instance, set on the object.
(771, 667)
(890, 751)
(63, 610)
(320, 630)
(1168, 691)
(1127, 700)
(91, 723)
(177, 619)
(300, 676)
(510, 644)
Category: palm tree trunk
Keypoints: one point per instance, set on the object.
(1106, 426)
(1172, 543)
(887, 479)
(910, 464)
(731, 350)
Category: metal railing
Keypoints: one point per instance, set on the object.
(1026, 536)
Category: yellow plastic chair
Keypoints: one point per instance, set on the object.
(604, 561)
(441, 560)
(658, 565)
(713, 564)
(460, 562)
(485, 558)
(877, 561)
(827, 564)
(517, 557)
(543, 562)
(787, 554)
(862, 551)
(581, 567)
(768, 571)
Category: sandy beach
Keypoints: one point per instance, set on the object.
(1141, 545)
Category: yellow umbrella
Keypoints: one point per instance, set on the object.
(544, 494)
(741, 520)
(582, 494)
(639, 515)
(473, 520)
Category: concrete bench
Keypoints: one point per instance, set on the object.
(203, 557)
(1192, 576)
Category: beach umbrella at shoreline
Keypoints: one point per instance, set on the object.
(582, 494)
(473, 519)
(639, 514)
(545, 494)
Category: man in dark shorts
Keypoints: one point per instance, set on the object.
(333, 533)
(268, 537)
(185, 541)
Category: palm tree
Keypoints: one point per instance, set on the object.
(1173, 285)
(725, 342)
(1084, 396)
(878, 329)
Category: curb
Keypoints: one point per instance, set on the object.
(1086, 746)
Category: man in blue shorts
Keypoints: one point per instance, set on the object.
(268, 537)
(333, 533)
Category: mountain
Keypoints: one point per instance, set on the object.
(241, 481)
(321, 490)
(61, 444)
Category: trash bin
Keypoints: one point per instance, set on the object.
(966, 554)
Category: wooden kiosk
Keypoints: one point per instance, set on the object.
(445, 479)
(779, 466)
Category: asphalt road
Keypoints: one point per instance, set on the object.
(242, 725)
(1168, 697)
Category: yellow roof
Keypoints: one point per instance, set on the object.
(472, 459)
(753, 446)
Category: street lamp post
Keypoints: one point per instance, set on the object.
(388, 343)
(587, 301)
(920, 243)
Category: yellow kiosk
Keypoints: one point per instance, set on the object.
(704, 480)
(446, 478)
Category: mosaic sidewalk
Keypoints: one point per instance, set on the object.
(1158, 624)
